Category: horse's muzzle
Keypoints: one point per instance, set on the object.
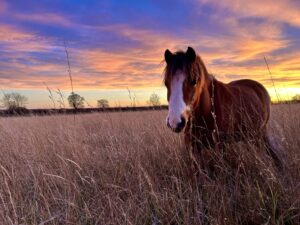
(179, 126)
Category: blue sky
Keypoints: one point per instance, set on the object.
(119, 45)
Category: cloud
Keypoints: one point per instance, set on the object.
(283, 11)
(14, 39)
(117, 54)
(136, 66)
(20, 64)
(9, 34)
(24, 66)
(45, 18)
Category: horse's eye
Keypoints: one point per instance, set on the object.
(193, 82)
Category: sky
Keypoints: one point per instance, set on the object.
(115, 46)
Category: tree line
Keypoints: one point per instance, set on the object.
(16, 102)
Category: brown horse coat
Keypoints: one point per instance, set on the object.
(241, 109)
(211, 112)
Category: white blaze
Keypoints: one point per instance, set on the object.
(177, 105)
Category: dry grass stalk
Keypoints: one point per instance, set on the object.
(128, 168)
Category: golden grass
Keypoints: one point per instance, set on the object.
(128, 168)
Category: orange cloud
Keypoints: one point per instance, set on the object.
(9, 34)
(16, 40)
(139, 67)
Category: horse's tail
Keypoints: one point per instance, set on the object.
(273, 149)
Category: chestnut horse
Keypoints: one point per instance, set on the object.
(211, 112)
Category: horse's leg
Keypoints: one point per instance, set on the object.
(193, 161)
(190, 148)
(201, 148)
(200, 159)
(204, 150)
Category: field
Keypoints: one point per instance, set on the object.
(129, 168)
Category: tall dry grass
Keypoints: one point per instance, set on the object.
(128, 168)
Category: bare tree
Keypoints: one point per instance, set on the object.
(76, 101)
(132, 97)
(103, 103)
(14, 100)
(154, 100)
(296, 98)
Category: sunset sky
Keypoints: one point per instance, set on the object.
(117, 45)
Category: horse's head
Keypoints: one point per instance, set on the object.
(183, 79)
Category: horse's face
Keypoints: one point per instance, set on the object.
(181, 81)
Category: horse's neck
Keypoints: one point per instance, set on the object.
(203, 106)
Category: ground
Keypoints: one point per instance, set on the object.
(129, 168)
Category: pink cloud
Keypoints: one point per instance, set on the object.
(45, 18)
(18, 40)
(285, 11)
(139, 67)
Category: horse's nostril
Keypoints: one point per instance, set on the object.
(176, 127)
(182, 123)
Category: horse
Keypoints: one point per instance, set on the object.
(209, 111)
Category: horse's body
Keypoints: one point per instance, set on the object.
(241, 109)
(211, 112)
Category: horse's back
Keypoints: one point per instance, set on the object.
(251, 84)
(251, 87)
(251, 97)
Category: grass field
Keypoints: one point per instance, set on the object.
(128, 168)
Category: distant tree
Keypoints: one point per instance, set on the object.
(76, 101)
(103, 103)
(296, 98)
(13, 101)
(154, 100)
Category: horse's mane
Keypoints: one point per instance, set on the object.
(195, 69)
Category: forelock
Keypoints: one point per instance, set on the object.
(178, 63)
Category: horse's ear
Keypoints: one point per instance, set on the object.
(168, 56)
(191, 54)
